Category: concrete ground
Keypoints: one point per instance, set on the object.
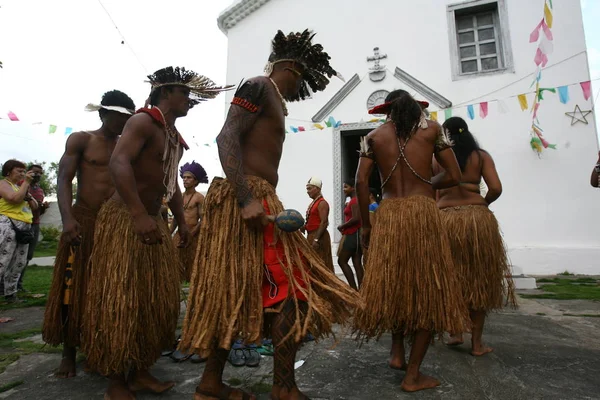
(539, 354)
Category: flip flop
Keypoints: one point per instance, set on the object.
(178, 356)
(225, 393)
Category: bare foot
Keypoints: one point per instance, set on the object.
(455, 340)
(66, 368)
(481, 350)
(397, 363)
(421, 383)
(284, 394)
(225, 393)
(142, 380)
(118, 390)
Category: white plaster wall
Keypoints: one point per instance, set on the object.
(306, 154)
(548, 212)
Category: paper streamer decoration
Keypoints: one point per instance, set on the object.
(448, 113)
(542, 90)
(52, 129)
(523, 102)
(319, 126)
(548, 15)
(331, 121)
(563, 94)
(433, 116)
(301, 129)
(471, 111)
(587, 89)
(294, 129)
(68, 131)
(12, 116)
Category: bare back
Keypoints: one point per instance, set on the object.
(418, 151)
(479, 166)
(260, 132)
(142, 145)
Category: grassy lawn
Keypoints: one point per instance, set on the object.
(45, 249)
(37, 281)
(567, 289)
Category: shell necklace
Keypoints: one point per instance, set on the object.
(285, 110)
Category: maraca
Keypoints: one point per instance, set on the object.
(287, 220)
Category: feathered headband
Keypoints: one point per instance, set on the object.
(95, 107)
(195, 169)
(385, 108)
(201, 88)
(297, 47)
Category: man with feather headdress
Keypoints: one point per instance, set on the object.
(244, 270)
(132, 310)
(192, 174)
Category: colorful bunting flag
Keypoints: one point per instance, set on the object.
(483, 109)
(52, 129)
(433, 116)
(471, 111)
(502, 107)
(331, 121)
(68, 131)
(523, 102)
(12, 116)
(542, 90)
(294, 129)
(301, 129)
(587, 89)
(535, 35)
(448, 113)
(563, 94)
(319, 126)
(548, 15)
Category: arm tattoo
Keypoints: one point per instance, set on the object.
(239, 121)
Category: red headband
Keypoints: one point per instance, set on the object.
(385, 107)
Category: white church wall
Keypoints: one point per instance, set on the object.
(306, 154)
(548, 211)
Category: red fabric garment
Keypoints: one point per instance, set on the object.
(313, 220)
(38, 194)
(157, 116)
(348, 217)
(275, 285)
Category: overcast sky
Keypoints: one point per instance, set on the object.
(60, 55)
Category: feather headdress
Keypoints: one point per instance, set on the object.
(195, 169)
(298, 47)
(201, 87)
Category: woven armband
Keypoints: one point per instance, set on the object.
(249, 96)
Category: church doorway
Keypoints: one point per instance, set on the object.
(349, 149)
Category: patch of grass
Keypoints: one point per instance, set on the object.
(6, 339)
(43, 251)
(261, 387)
(6, 360)
(37, 281)
(568, 289)
(582, 315)
(28, 347)
(234, 381)
(11, 385)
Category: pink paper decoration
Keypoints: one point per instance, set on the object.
(587, 89)
(483, 109)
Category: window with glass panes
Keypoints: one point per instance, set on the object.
(478, 44)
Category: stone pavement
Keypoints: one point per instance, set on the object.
(539, 354)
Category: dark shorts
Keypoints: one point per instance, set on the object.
(35, 228)
(351, 243)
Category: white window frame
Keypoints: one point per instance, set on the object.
(502, 38)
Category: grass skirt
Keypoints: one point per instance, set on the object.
(410, 282)
(186, 255)
(324, 250)
(225, 298)
(479, 256)
(133, 305)
(54, 331)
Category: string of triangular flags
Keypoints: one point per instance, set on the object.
(329, 123)
(52, 128)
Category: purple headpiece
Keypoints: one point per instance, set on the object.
(195, 169)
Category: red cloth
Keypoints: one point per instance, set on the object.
(348, 217)
(157, 116)
(313, 219)
(275, 285)
(38, 194)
